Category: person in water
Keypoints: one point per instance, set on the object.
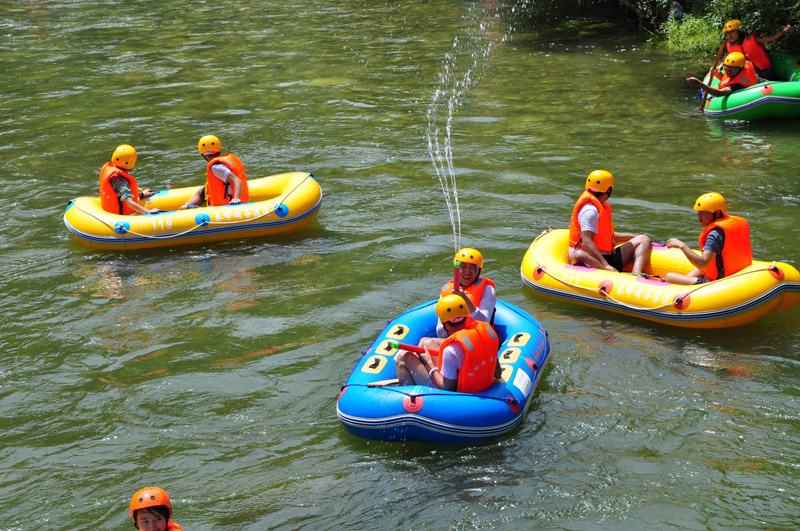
(724, 241)
(151, 510)
(226, 180)
(467, 361)
(119, 193)
(751, 45)
(593, 239)
(738, 73)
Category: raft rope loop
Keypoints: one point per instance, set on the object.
(601, 290)
(507, 400)
(209, 222)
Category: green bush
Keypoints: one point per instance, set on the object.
(763, 16)
(701, 28)
(693, 34)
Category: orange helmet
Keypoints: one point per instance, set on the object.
(149, 497)
(735, 59)
(599, 181)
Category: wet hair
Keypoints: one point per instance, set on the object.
(158, 509)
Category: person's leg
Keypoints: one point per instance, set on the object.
(196, 199)
(678, 278)
(410, 370)
(638, 250)
(581, 257)
(614, 258)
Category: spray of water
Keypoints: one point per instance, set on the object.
(462, 68)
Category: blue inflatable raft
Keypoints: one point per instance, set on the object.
(370, 408)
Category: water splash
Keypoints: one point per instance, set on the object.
(462, 69)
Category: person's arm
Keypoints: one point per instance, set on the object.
(463, 294)
(775, 36)
(123, 191)
(485, 308)
(700, 261)
(590, 248)
(139, 208)
(694, 82)
(224, 174)
(437, 378)
(237, 189)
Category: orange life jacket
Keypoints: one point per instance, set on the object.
(474, 292)
(604, 237)
(480, 344)
(109, 199)
(731, 47)
(746, 77)
(736, 253)
(752, 50)
(220, 193)
(174, 526)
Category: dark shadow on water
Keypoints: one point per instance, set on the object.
(562, 15)
(419, 450)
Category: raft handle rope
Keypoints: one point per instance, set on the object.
(203, 223)
(603, 290)
(413, 396)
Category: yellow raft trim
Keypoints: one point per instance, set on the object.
(736, 300)
(278, 204)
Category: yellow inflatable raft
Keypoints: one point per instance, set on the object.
(278, 204)
(731, 301)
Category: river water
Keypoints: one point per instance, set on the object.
(213, 370)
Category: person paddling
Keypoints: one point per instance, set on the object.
(738, 74)
(751, 45)
(151, 510)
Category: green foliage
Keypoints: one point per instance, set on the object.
(701, 28)
(651, 12)
(763, 16)
(693, 34)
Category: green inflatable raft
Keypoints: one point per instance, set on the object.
(769, 99)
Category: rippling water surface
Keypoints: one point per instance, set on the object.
(213, 370)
